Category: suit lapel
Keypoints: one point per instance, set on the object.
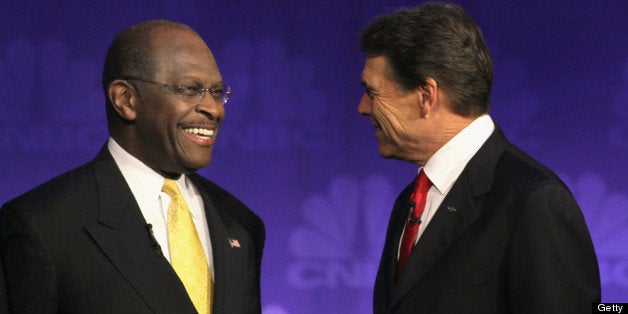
(122, 235)
(388, 264)
(457, 212)
(454, 215)
(229, 250)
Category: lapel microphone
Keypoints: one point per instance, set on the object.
(413, 220)
(153, 240)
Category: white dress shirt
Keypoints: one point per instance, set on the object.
(146, 186)
(446, 165)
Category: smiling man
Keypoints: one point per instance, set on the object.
(136, 230)
(484, 228)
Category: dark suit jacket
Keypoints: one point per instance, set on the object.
(79, 244)
(3, 295)
(508, 238)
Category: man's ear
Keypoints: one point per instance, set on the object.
(429, 96)
(123, 96)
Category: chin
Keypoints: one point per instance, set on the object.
(194, 160)
(389, 151)
(193, 167)
(386, 153)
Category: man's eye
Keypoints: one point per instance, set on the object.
(217, 91)
(190, 90)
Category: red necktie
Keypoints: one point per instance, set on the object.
(421, 186)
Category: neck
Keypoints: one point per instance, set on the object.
(444, 130)
(451, 127)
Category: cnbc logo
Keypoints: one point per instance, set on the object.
(341, 235)
(341, 232)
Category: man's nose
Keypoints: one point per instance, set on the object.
(210, 106)
(364, 107)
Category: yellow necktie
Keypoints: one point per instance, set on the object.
(186, 252)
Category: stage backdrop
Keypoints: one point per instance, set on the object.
(293, 146)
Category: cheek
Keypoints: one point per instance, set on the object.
(155, 110)
(149, 122)
(221, 113)
(389, 116)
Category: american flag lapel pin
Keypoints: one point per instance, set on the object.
(234, 242)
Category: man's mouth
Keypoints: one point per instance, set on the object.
(376, 124)
(200, 132)
(200, 136)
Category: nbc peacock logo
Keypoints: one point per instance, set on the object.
(341, 234)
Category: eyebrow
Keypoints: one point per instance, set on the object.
(368, 87)
(198, 79)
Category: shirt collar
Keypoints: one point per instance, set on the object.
(444, 167)
(144, 182)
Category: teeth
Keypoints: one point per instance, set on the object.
(197, 131)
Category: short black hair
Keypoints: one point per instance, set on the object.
(435, 40)
(130, 54)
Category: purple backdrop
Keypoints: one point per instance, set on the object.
(293, 146)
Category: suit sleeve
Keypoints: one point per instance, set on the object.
(552, 267)
(27, 265)
(3, 293)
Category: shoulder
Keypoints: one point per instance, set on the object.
(230, 204)
(518, 167)
(60, 193)
(509, 176)
(535, 188)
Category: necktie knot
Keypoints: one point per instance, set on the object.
(423, 183)
(170, 187)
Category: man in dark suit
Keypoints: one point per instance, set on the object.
(492, 230)
(136, 230)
